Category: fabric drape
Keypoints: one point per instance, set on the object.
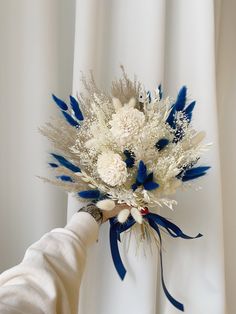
(37, 41)
(173, 43)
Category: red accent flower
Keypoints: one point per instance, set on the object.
(144, 211)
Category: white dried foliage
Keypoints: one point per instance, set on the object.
(121, 121)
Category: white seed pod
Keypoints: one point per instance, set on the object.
(91, 186)
(86, 179)
(195, 141)
(123, 215)
(106, 204)
(79, 174)
(198, 138)
(136, 215)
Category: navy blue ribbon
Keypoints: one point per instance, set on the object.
(155, 221)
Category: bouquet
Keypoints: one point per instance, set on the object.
(129, 146)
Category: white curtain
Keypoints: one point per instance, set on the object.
(171, 42)
(226, 88)
(37, 41)
(174, 42)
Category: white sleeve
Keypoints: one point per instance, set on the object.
(48, 279)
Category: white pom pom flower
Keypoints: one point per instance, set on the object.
(126, 122)
(111, 168)
(106, 204)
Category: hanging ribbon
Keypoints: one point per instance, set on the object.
(155, 221)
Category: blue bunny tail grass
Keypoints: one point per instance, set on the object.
(179, 134)
(144, 179)
(150, 185)
(69, 119)
(188, 178)
(194, 173)
(149, 95)
(53, 165)
(189, 110)
(60, 103)
(130, 158)
(178, 106)
(149, 177)
(75, 106)
(129, 162)
(162, 143)
(142, 172)
(181, 99)
(160, 91)
(197, 170)
(129, 153)
(65, 178)
(134, 186)
(64, 162)
(90, 194)
(171, 118)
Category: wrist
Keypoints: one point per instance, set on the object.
(84, 226)
(94, 211)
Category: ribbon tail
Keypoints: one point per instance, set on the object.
(170, 227)
(173, 301)
(114, 236)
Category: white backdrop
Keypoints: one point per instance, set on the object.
(226, 87)
(37, 40)
(172, 42)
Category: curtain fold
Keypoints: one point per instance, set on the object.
(173, 43)
(226, 92)
(36, 55)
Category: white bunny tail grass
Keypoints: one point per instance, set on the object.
(123, 215)
(136, 215)
(106, 204)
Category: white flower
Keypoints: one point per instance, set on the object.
(135, 213)
(111, 168)
(126, 122)
(106, 204)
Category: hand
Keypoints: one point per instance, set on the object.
(114, 212)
